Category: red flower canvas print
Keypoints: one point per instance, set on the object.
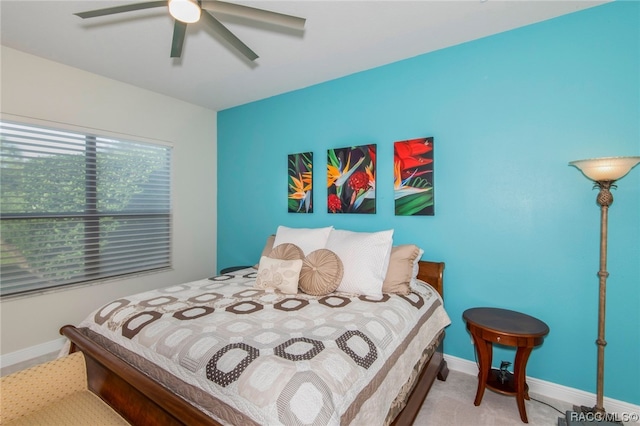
(351, 179)
(300, 183)
(413, 177)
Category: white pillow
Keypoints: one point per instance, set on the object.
(308, 239)
(279, 273)
(416, 268)
(365, 259)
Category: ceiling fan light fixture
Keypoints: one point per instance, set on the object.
(187, 11)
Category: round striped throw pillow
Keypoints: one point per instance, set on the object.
(321, 272)
(286, 251)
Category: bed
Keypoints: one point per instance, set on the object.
(136, 362)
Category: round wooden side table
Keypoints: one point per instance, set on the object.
(493, 325)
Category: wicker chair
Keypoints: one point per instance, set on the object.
(53, 393)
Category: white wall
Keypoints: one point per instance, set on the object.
(44, 90)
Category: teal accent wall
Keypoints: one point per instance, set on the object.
(517, 227)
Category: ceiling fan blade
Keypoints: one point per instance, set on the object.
(222, 31)
(179, 30)
(253, 13)
(120, 9)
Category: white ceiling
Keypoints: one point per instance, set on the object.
(340, 38)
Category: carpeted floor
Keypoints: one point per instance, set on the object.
(450, 403)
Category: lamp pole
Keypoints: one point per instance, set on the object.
(605, 199)
(604, 172)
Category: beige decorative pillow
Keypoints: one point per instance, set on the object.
(286, 251)
(400, 269)
(321, 272)
(280, 274)
(267, 247)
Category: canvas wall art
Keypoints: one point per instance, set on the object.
(413, 177)
(300, 179)
(351, 180)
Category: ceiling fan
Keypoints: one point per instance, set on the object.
(190, 11)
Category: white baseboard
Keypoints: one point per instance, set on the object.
(31, 352)
(551, 390)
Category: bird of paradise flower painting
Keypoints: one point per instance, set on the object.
(300, 183)
(413, 177)
(351, 179)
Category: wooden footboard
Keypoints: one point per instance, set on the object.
(138, 398)
(143, 401)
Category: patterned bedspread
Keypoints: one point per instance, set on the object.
(250, 356)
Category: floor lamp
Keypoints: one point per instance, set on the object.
(604, 172)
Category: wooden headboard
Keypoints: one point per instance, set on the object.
(432, 273)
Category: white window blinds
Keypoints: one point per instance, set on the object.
(79, 207)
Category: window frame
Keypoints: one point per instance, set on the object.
(91, 213)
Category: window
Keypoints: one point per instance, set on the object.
(80, 207)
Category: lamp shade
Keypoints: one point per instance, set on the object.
(606, 168)
(187, 11)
